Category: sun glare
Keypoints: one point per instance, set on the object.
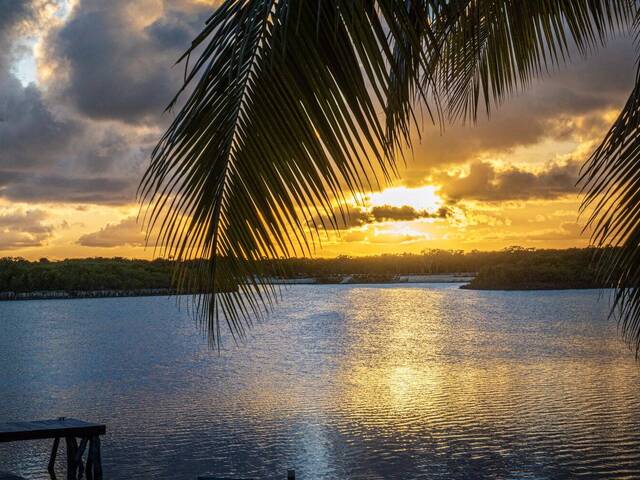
(422, 198)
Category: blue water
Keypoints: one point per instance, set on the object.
(343, 381)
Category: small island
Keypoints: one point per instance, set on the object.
(528, 269)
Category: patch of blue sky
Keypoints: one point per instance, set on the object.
(24, 66)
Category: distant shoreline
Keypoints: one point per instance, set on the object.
(363, 279)
(532, 288)
(403, 280)
(161, 292)
(64, 295)
(514, 268)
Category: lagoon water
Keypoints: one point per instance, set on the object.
(343, 381)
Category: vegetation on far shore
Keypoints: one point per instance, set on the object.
(87, 274)
(513, 268)
(525, 269)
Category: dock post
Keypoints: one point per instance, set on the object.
(79, 454)
(52, 459)
(97, 459)
(72, 448)
(291, 475)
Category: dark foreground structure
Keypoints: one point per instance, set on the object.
(71, 430)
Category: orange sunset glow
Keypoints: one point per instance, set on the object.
(69, 191)
(319, 240)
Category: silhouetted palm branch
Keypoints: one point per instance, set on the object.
(496, 47)
(283, 117)
(611, 180)
(295, 104)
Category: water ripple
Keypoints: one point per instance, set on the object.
(354, 382)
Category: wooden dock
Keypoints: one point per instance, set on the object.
(71, 430)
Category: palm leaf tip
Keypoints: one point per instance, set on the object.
(281, 119)
(610, 182)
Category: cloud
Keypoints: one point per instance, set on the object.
(116, 63)
(567, 233)
(587, 88)
(46, 154)
(395, 238)
(47, 157)
(60, 188)
(383, 214)
(379, 235)
(485, 183)
(57, 146)
(30, 133)
(20, 229)
(13, 16)
(12, 12)
(127, 232)
(388, 213)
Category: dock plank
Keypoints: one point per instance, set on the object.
(41, 429)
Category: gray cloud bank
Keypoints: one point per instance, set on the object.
(117, 69)
(86, 135)
(485, 183)
(19, 229)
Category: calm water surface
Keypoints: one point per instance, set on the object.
(359, 382)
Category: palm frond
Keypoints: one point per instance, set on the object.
(283, 117)
(611, 182)
(290, 106)
(496, 47)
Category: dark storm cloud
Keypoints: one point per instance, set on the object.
(73, 189)
(33, 138)
(13, 12)
(485, 183)
(53, 152)
(30, 133)
(46, 157)
(118, 69)
(106, 65)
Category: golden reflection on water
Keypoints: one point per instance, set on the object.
(415, 365)
(470, 380)
(390, 368)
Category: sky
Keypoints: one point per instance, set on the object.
(83, 87)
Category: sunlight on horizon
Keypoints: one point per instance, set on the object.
(421, 198)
